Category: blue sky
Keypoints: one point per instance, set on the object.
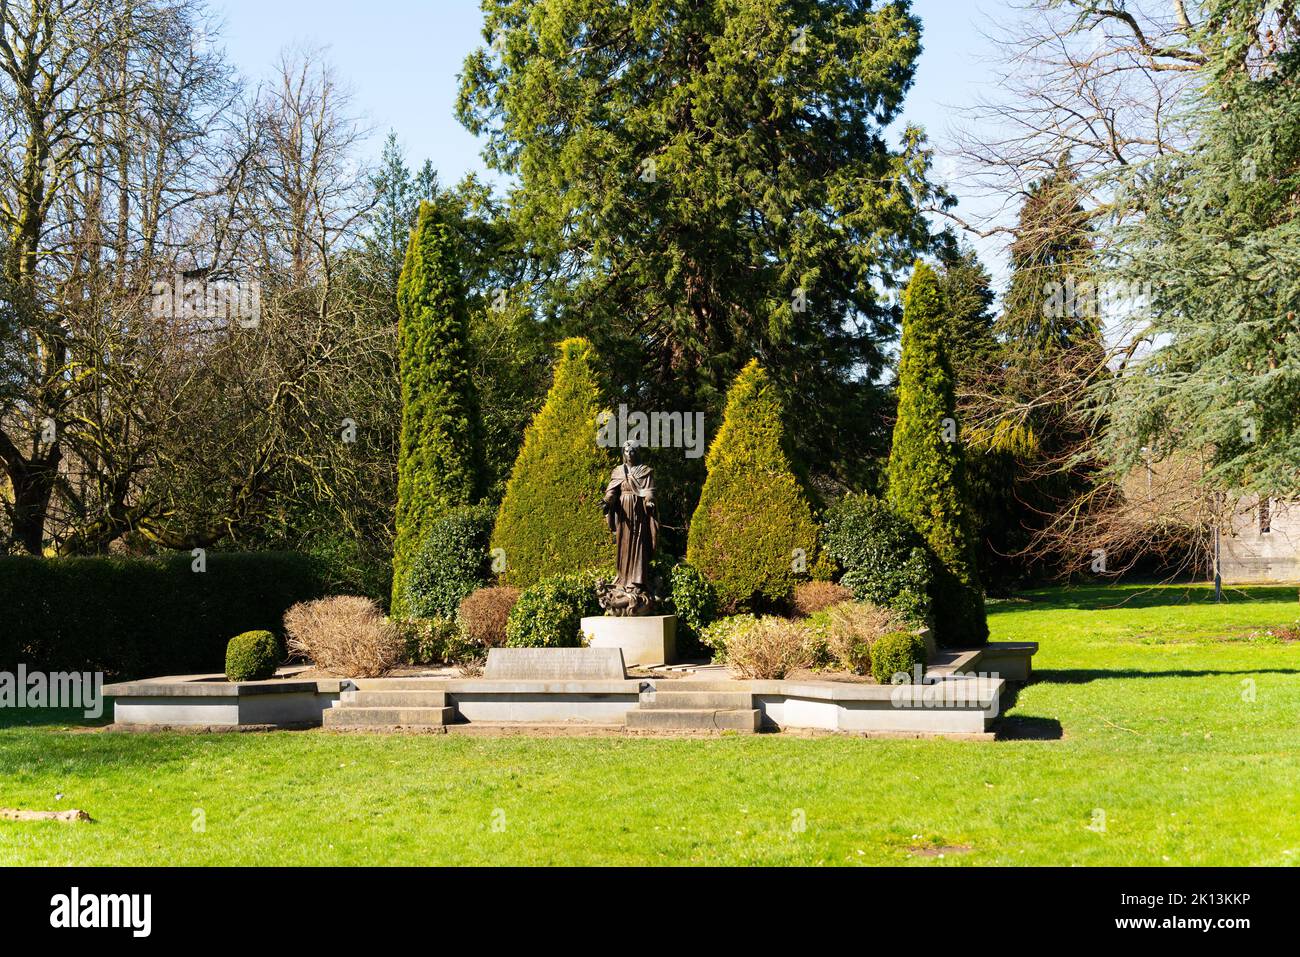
(401, 58)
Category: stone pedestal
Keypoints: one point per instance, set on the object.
(643, 639)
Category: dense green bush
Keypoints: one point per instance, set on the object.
(696, 605)
(753, 534)
(884, 559)
(439, 463)
(451, 563)
(252, 656)
(352, 567)
(719, 633)
(550, 521)
(927, 483)
(897, 653)
(143, 617)
(550, 613)
(429, 641)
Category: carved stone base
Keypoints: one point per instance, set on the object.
(644, 639)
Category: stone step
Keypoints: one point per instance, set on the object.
(694, 719)
(682, 700)
(352, 717)
(392, 699)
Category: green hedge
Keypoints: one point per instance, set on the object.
(143, 617)
(550, 613)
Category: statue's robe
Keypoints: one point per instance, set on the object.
(629, 508)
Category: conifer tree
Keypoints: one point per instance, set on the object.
(550, 520)
(439, 458)
(753, 534)
(927, 482)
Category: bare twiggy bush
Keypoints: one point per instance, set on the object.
(772, 648)
(853, 627)
(812, 597)
(344, 635)
(483, 613)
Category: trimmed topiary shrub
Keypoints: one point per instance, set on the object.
(550, 613)
(695, 603)
(884, 559)
(753, 534)
(252, 656)
(550, 522)
(439, 461)
(897, 653)
(927, 483)
(451, 563)
(143, 617)
(771, 648)
(484, 614)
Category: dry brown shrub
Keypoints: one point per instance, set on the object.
(771, 648)
(812, 597)
(483, 614)
(853, 627)
(345, 636)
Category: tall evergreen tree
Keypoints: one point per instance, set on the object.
(927, 481)
(397, 206)
(704, 182)
(1051, 302)
(439, 464)
(753, 534)
(550, 521)
(1217, 248)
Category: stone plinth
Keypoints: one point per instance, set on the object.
(643, 639)
(549, 664)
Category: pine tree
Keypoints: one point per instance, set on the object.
(753, 534)
(927, 482)
(439, 459)
(550, 520)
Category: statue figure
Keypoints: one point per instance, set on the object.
(629, 507)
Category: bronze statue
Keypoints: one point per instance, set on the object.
(629, 506)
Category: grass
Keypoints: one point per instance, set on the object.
(1161, 728)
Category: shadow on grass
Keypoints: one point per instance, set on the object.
(1078, 676)
(1028, 729)
(54, 717)
(1114, 597)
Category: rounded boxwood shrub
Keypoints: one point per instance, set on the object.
(451, 563)
(252, 656)
(550, 521)
(550, 613)
(752, 534)
(898, 652)
(884, 559)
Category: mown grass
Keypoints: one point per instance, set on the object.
(1160, 728)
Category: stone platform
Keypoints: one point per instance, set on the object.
(645, 640)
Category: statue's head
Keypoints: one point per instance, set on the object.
(631, 451)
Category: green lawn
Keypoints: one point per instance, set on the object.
(1139, 712)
